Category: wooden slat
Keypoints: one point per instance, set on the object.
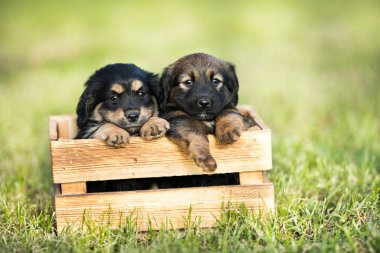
(74, 188)
(66, 124)
(93, 160)
(53, 129)
(162, 205)
(63, 130)
(251, 177)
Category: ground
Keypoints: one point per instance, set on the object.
(311, 69)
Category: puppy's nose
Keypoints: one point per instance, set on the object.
(132, 116)
(204, 102)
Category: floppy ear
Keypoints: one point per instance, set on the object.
(165, 85)
(154, 84)
(232, 83)
(85, 107)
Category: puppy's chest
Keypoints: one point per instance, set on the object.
(210, 125)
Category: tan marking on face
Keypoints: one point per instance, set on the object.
(146, 112)
(136, 85)
(210, 72)
(117, 88)
(115, 116)
(190, 72)
(183, 87)
(182, 79)
(196, 74)
(221, 79)
(96, 114)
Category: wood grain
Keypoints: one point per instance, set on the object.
(73, 188)
(251, 177)
(161, 206)
(66, 126)
(93, 160)
(53, 129)
(76, 161)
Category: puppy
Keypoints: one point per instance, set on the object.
(120, 100)
(200, 93)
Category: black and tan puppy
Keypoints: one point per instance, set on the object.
(200, 97)
(120, 100)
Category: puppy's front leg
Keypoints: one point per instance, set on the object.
(194, 141)
(112, 135)
(229, 126)
(199, 150)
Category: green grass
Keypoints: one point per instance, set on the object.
(312, 71)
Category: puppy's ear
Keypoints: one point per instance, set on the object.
(154, 84)
(85, 107)
(166, 85)
(232, 83)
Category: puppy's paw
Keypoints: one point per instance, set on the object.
(229, 132)
(200, 152)
(155, 127)
(112, 135)
(207, 163)
(228, 136)
(118, 138)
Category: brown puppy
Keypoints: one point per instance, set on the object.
(199, 98)
(120, 100)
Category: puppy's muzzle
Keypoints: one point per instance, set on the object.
(132, 116)
(204, 103)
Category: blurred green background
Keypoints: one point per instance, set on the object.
(310, 68)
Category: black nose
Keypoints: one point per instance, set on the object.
(132, 116)
(204, 102)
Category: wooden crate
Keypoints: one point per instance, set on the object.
(75, 162)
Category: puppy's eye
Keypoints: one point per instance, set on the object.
(188, 82)
(216, 81)
(114, 98)
(141, 93)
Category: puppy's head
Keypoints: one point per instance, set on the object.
(201, 85)
(122, 94)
